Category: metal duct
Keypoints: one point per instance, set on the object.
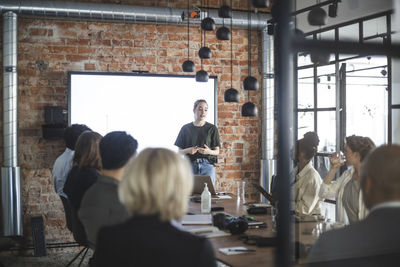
(267, 161)
(125, 13)
(10, 172)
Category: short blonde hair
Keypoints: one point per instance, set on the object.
(157, 182)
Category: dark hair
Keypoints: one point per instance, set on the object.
(116, 148)
(360, 144)
(197, 102)
(72, 133)
(308, 144)
(87, 153)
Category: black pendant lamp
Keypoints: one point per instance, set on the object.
(317, 16)
(231, 95)
(320, 58)
(249, 110)
(204, 52)
(223, 33)
(188, 65)
(250, 83)
(208, 24)
(225, 11)
(202, 76)
(260, 3)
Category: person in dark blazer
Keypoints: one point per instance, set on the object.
(155, 190)
(100, 205)
(374, 241)
(85, 168)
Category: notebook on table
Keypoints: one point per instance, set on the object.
(198, 184)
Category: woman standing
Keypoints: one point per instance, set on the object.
(349, 201)
(199, 140)
(307, 179)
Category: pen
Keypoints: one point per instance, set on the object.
(241, 250)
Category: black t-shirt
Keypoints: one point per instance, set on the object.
(191, 135)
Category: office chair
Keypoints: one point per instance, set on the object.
(67, 212)
(76, 227)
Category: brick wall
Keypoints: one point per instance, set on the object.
(49, 48)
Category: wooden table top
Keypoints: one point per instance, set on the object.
(305, 232)
(264, 256)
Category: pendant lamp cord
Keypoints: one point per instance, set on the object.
(188, 4)
(201, 35)
(231, 50)
(249, 41)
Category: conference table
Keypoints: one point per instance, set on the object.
(305, 232)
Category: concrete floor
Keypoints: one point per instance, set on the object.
(55, 258)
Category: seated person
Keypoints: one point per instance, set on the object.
(349, 202)
(85, 169)
(155, 190)
(100, 205)
(63, 163)
(307, 179)
(374, 241)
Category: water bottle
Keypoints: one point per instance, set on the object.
(205, 200)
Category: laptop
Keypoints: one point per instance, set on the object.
(198, 184)
(267, 195)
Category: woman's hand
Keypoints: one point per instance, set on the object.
(192, 150)
(205, 151)
(335, 160)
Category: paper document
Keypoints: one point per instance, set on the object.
(197, 219)
(224, 197)
(208, 231)
(235, 250)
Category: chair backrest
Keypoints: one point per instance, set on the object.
(67, 211)
(73, 223)
(78, 230)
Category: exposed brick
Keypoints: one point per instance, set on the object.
(122, 47)
(90, 66)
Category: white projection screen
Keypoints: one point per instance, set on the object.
(152, 108)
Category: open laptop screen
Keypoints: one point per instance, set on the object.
(198, 184)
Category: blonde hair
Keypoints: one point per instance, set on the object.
(157, 182)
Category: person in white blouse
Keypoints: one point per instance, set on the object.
(307, 179)
(375, 240)
(349, 200)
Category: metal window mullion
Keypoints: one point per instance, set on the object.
(389, 78)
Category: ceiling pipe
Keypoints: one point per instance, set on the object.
(122, 13)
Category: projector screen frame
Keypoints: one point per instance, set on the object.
(214, 78)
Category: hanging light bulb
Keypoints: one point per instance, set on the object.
(260, 3)
(208, 24)
(317, 16)
(188, 65)
(249, 110)
(224, 33)
(231, 95)
(250, 82)
(202, 76)
(225, 12)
